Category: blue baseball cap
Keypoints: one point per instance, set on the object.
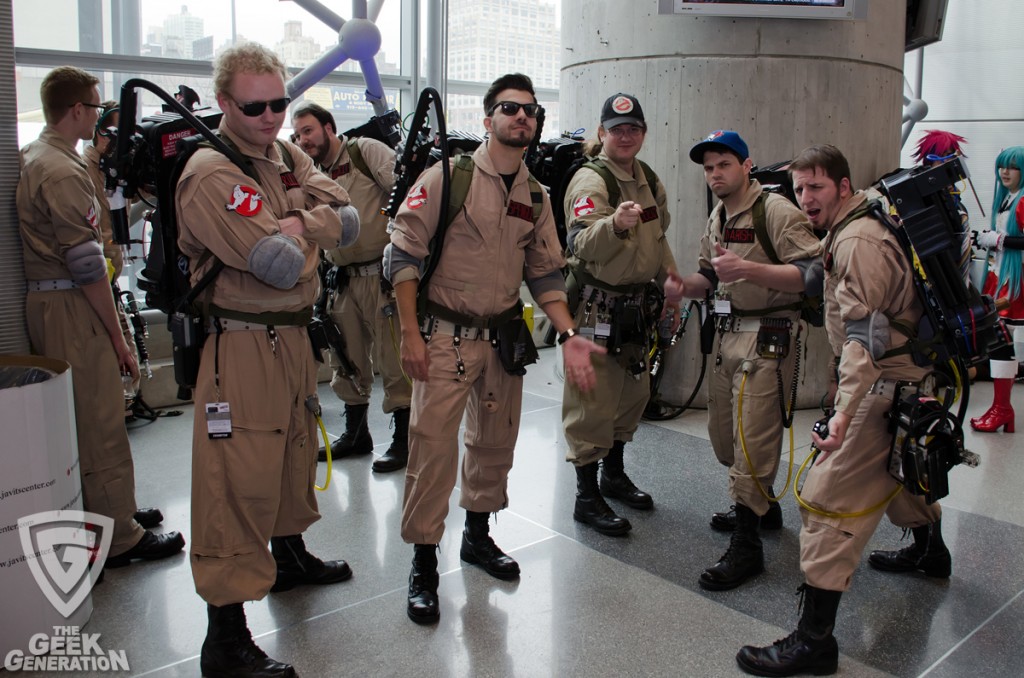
(717, 140)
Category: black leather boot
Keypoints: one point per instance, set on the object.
(397, 455)
(297, 566)
(928, 554)
(150, 547)
(479, 549)
(744, 558)
(148, 518)
(810, 649)
(617, 485)
(726, 521)
(356, 438)
(423, 579)
(591, 507)
(229, 650)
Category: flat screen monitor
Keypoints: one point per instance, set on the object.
(768, 9)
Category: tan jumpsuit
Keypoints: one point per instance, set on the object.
(57, 210)
(258, 483)
(490, 247)
(611, 412)
(865, 270)
(792, 239)
(371, 337)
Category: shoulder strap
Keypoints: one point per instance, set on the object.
(598, 166)
(286, 155)
(850, 218)
(536, 198)
(462, 177)
(761, 230)
(356, 156)
(248, 168)
(652, 177)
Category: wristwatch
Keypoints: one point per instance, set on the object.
(567, 335)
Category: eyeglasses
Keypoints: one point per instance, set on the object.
(100, 106)
(253, 109)
(511, 108)
(625, 130)
(933, 157)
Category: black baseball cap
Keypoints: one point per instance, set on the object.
(620, 109)
(720, 138)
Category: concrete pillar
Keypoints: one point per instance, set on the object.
(783, 84)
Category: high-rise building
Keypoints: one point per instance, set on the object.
(180, 33)
(297, 49)
(524, 37)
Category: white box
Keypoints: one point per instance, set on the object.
(38, 472)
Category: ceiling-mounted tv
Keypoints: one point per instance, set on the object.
(768, 9)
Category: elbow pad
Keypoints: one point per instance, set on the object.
(813, 271)
(86, 262)
(395, 259)
(570, 237)
(871, 332)
(349, 225)
(277, 261)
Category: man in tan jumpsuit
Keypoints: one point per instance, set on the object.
(147, 517)
(867, 277)
(253, 444)
(615, 250)
(489, 248)
(753, 294)
(70, 308)
(362, 310)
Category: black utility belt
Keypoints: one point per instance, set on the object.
(592, 294)
(774, 334)
(509, 335)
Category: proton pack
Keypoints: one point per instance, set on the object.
(959, 327)
(959, 323)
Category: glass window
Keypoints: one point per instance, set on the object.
(192, 30)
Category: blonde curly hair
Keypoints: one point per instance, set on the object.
(245, 57)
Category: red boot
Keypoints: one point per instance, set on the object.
(1001, 412)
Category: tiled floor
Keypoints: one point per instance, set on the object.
(586, 605)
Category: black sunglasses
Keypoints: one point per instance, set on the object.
(252, 109)
(85, 104)
(511, 108)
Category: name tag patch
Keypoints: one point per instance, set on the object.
(742, 235)
(519, 210)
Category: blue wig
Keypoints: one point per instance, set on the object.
(1009, 269)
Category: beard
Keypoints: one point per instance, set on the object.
(514, 138)
(319, 151)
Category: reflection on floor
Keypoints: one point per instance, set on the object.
(586, 605)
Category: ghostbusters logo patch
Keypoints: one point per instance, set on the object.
(91, 218)
(583, 206)
(622, 104)
(417, 197)
(245, 201)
